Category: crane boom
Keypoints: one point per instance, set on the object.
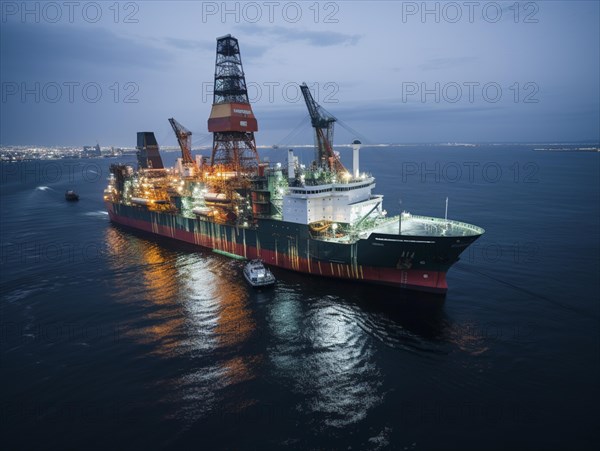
(184, 137)
(323, 123)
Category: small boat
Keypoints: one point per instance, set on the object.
(71, 195)
(257, 275)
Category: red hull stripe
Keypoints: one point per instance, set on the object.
(430, 281)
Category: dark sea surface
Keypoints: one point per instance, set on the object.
(111, 339)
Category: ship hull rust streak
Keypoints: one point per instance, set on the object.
(216, 237)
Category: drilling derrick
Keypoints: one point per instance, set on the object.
(322, 122)
(231, 118)
(234, 156)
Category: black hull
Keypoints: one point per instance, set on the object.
(411, 262)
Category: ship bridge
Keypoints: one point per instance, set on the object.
(344, 202)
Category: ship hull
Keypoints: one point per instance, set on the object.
(408, 262)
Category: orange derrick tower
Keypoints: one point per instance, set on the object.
(232, 121)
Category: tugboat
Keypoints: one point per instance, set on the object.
(257, 275)
(71, 196)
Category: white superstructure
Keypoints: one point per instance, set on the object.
(346, 202)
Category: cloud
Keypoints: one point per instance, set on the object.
(447, 63)
(189, 44)
(41, 50)
(314, 38)
(365, 119)
(249, 51)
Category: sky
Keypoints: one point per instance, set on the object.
(80, 73)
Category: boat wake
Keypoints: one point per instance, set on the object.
(96, 214)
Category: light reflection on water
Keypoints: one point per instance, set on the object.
(196, 307)
(323, 349)
(326, 358)
(151, 279)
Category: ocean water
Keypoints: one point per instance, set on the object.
(112, 339)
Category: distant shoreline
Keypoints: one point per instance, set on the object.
(567, 149)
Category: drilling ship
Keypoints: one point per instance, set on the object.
(321, 219)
